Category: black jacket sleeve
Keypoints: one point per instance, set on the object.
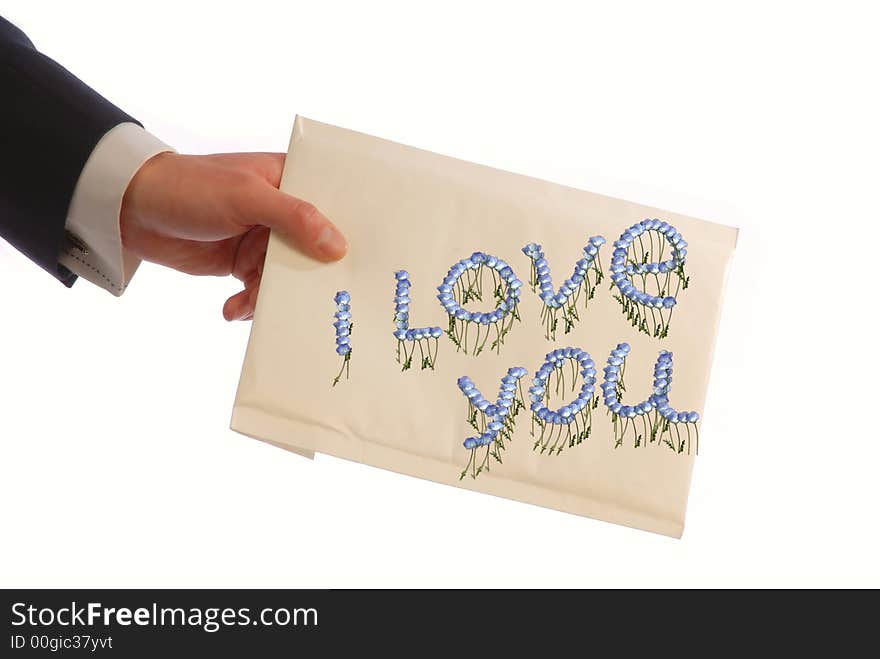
(50, 122)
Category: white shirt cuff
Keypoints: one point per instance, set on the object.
(94, 248)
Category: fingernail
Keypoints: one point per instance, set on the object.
(331, 243)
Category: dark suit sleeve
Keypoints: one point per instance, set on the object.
(50, 122)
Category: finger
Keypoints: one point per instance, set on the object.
(190, 256)
(271, 166)
(241, 305)
(300, 222)
(250, 254)
(235, 307)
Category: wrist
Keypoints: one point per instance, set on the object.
(141, 197)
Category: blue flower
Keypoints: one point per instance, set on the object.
(549, 296)
(342, 324)
(622, 268)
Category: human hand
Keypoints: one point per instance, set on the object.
(211, 215)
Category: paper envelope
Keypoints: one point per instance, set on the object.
(455, 233)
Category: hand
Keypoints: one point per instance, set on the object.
(211, 215)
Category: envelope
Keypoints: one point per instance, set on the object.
(488, 331)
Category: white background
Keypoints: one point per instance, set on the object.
(117, 465)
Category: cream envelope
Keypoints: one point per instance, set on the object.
(404, 209)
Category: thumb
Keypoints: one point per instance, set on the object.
(300, 222)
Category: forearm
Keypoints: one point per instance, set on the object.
(50, 123)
